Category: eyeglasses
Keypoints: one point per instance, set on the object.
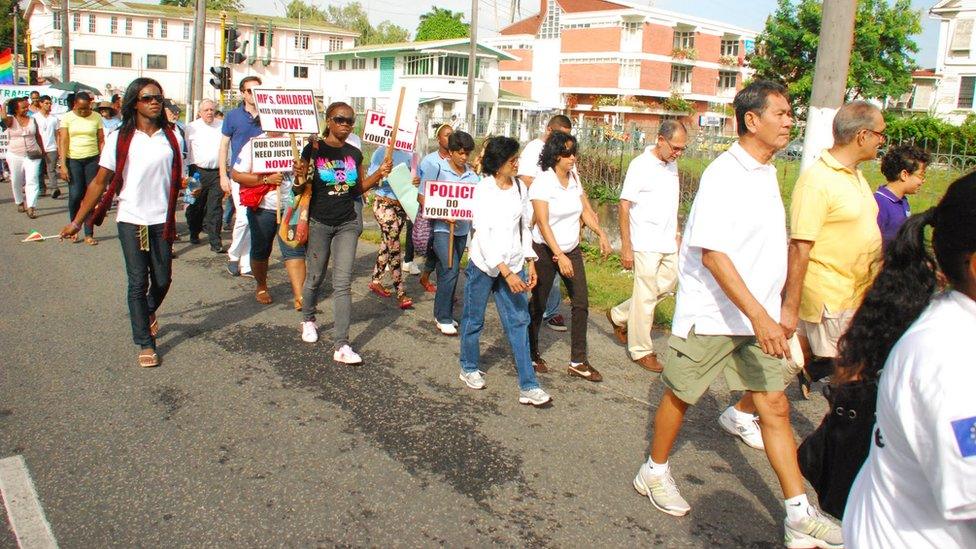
(343, 121)
(881, 135)
(248, 90)
(673, 148)
(568, 152)
(151, 98)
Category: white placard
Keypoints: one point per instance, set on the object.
(4, 144)
(271, 154)
(59, 98)
(377, 130)
(449, 200)
(288, 111)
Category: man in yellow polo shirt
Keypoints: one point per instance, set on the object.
(835, 243)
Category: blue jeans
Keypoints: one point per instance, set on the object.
(81, 171)
(513, 310)
(149, 275)
(446, 277)
(228, 211)
(553, 301)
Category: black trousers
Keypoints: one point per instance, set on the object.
(546, 270)
(207, 211)
(149, 275)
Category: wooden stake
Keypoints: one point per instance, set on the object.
(396, 127)
(450, 244)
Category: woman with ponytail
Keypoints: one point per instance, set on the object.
(918, 485)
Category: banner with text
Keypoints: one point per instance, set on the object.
(271, 154)
(449, 200)
(289, 111)
(59, 98)
(4, 145)
(377, 130)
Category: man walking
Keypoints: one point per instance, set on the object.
(47, 125)
(731, 271)
(240, 126)
(649, 240)
(203, 143)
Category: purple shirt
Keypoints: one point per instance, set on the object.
(892, 213)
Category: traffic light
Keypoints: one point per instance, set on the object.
(234, 52)
(221, 78)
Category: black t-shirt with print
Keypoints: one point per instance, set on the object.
(336, 182)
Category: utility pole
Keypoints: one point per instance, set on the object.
(16, 48)
(223, 49)
(27, 47)
(196, 70)
(472, 67)
(829, 76)
(65, 52)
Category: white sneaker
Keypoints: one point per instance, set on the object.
(815, 530)
(662, 491)
(411, 267)
(748, 431)
(345, 355)
(310, 334)
(448, 329)
(474, 380)
(535, 397)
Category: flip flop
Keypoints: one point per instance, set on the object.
(379, 290)
(298, 304)
(90, 240)
(263, 297)
(405, 303)
(149, 360)
(153, 325)
(428, 286)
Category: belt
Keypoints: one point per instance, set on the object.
(207, 169)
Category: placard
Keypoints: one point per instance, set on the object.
(288, 111)
(271, 155)
(449, 200)
(59, 98)
(377, 131)
(4, 144)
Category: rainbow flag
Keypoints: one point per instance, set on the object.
(6, 67)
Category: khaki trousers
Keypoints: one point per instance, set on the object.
(655, 274)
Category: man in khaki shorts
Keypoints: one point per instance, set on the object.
(835, 241)
(731, 271)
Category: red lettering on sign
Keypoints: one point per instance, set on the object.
(287, 123)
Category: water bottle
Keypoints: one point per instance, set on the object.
(192, 184)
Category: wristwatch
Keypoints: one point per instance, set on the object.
(264, 180)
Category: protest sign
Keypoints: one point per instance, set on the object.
(4, 145)
(59, 98)
(401, 181)
(289, 111)
(271, 154)
(377, 130)
(450, 200)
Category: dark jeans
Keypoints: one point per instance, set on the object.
(263, 227)
(408, 251)
(446, 277)
(149, 274)
(81, 172)
(206, 212)
(546, 270)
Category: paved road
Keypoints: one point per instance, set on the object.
(248, 437)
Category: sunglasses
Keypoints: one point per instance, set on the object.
(151, 98)
(343, 121)
(569, 152)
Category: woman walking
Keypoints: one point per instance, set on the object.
(391, 218)
(560, 204)
(80, 141)
(501, 264)
(142, 164)
(333, 229)
(24, 154)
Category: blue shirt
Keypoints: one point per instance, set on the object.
(399, 157)
(110, 124)
(240, 127)
(892, 213)
(428, 167)
(443, 171)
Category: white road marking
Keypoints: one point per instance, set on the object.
(23, 508)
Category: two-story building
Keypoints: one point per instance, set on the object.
(954, 77)
(627, 62)
(114, 42)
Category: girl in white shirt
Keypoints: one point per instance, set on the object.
(501, 263)
(918, 485)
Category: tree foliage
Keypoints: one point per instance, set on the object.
(881, 58)
(441, 24)
(350, 16)
(228, 5)
(7, 27)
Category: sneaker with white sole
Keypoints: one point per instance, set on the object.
(411, 268)
(448, 329)
(310, 333)
(345, 355)
(662, 491)
(748, 431)
(535, 397)
(474, 380)
(814, 530)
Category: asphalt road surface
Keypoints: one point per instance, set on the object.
(246, 436)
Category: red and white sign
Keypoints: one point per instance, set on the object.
(377, 130)
(288, 111)
(450, 200)
(271, 155)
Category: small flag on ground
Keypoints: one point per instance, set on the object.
(35, 236)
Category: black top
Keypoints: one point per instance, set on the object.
(336, 182)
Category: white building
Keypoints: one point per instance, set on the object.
(113, 42)
(955, 70)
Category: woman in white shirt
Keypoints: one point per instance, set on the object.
(560, 204)
(501, 263)
(918, 485)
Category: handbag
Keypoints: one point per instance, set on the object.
(250, 197)
(31, 147)
(832, 455)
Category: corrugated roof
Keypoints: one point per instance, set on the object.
(417, 46)
(530, 25)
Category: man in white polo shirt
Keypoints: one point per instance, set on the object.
(203, 145)
(649, 240)
(731, 271)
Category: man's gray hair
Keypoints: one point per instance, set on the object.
(668, 127)
(205, 101)
(852, 118)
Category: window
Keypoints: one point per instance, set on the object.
(186, 31)
(684, 39)
(163, 30)
(57, 20)
(262, 38)
(631, 36)
(967, 86)
(550, 25)
(149, 27)
(414, 65)
(342, 64)
(358, 104)
(128, 26)
(453, 66)
(114, 25)
(328, 65)
(76, 22)
(630, 73)
(962, 36)
(91, 23)
(335, 43)
(376, 62)
(727, 80)
(85, 57)
(120, 59)
(157, 62)
(358, 64)
(730, 47)
(301, 41)
(299, 71)
(681, 78)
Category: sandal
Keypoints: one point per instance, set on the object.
(75, 238)
(153, 326)
(379, 290)
(428, 286)
(405, 302)
(21, 208)
(263, 297)
(148, 359)
(31, 213)
(90, 240)
(298, 303)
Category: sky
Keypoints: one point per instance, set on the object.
(496, 14)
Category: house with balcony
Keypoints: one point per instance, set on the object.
(952, 83)
(619, 62)
(114, 42)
